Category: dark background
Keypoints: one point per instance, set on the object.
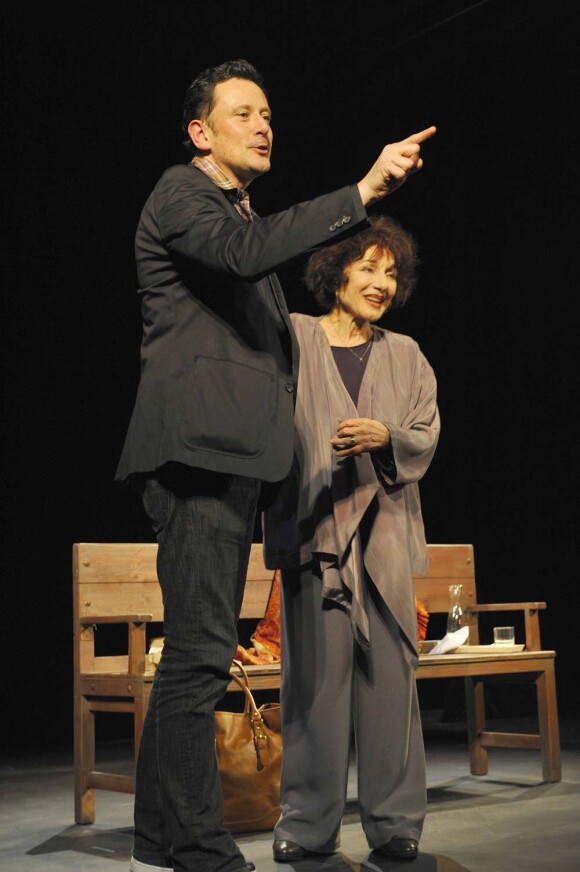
(93, 110)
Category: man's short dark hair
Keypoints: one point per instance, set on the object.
(198, 101)
(325, 273)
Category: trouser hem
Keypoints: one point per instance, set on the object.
(144, 866)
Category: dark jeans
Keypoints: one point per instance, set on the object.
(204, 524)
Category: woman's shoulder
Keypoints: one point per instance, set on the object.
(392, 339)
(303, 323)
(400, 345)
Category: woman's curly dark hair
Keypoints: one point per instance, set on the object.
(325, 273)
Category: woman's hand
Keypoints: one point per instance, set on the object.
(355, 435)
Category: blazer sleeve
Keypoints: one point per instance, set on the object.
(196, 222)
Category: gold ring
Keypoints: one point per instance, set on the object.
(352, 440)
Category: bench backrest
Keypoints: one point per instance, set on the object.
(121, 578)
(448, 564)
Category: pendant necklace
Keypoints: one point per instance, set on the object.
(361, 357)
(368, 343)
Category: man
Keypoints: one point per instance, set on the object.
(212, 420)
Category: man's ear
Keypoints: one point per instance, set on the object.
(198, 136)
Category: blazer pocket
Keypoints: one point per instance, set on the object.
(227, 406)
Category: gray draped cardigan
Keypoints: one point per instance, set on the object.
(318, 512)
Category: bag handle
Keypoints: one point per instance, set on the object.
(249, 698)
(251, 709)
(244, 684)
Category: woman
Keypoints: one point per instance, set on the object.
(347, 533)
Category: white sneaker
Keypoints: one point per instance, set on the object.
(138, 866)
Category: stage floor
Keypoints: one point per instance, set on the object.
(506, 821)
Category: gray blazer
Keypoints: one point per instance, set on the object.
(219, 357)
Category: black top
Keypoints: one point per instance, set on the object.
(351, 366)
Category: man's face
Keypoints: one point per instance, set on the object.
(238, 131)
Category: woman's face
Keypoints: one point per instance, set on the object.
(371, 284)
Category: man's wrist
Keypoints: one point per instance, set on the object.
(367, 195)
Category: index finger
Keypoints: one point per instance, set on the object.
(423, 135)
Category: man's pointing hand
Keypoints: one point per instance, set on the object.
(395, 164)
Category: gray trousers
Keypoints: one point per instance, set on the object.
(329, 686)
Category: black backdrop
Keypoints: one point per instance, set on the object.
(94, 100)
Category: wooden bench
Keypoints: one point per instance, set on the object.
(117, 584)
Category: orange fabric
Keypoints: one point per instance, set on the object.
(266, 637)
(422, 621)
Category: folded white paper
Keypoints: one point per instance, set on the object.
(451, 641)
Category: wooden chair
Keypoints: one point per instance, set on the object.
(454, 564)
(117, 584)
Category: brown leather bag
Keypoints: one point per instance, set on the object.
(249, 757)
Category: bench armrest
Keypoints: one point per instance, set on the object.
(531, 618)
(504, 607)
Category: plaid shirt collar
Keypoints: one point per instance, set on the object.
(239, 199)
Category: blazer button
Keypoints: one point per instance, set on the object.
(332, 227)
(290, 387)
(346, 219)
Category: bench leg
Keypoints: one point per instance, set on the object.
(84, 761)
(475, 711)
(548, 723)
